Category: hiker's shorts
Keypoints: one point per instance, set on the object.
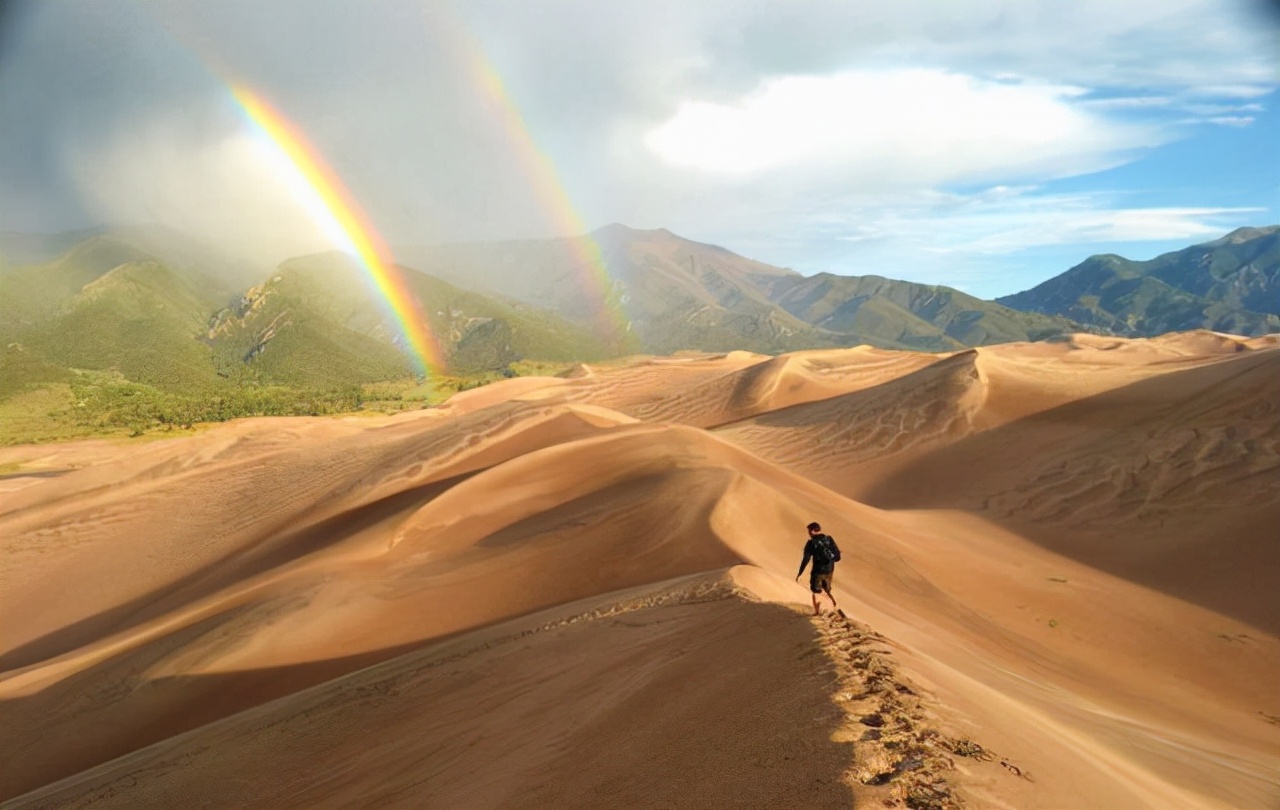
(820, 582)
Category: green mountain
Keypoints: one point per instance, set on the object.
(106, 305)
(172, 323)
(318, 322)
(140, 319)
(680, 294)
(108, 336)
(31, 293)
(919, 316)
(291, 331)
(1231, 284)
(41, 274)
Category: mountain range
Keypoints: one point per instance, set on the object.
(1231, 285)
(680, 294)
(153, 308)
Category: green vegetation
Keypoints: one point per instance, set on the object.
(318, 323)
(114, 403)
(408, 395)
(140, 319)
(34, 292)
(41, 415)
(403, 395)
(539, 368)
(22, 369)
(905, 315)
(108, 340)
(98, 403)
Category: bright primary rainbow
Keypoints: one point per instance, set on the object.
(347, 221)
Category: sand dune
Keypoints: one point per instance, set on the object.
(1059, 573)
(464, 724)
(768, 384)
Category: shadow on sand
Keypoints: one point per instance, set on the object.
(721, 702)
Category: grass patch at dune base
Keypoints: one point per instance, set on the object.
(41, 415)
(105, 404)
(404, 395)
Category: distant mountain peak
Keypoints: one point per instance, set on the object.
(1227, 285)
(618, 234)
(615, 230)
(1242, 235)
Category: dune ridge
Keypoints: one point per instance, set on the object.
(590, 577)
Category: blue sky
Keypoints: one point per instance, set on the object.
(1231, 168)
(986, 145)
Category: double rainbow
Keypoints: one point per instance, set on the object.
(330, 200)
(319, 189)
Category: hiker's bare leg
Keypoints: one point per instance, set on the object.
(829, 596)
(817, 611)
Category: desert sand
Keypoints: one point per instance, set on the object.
(1060, 577)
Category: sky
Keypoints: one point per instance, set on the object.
(987, 145)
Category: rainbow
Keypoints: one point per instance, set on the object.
(336, 207)
(610, 321)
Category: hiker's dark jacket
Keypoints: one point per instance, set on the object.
(820, 566)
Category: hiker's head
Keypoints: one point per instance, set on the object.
(814, 528)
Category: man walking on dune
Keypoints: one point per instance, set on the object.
(824, 552)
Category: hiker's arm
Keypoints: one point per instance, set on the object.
(807, 554)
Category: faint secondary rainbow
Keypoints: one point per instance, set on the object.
(610, 319)
(331, 201)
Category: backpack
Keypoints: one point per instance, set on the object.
(825, 551)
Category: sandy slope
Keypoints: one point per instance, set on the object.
(1064, 553)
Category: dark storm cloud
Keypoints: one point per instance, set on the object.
(71, 72)
(11, 11)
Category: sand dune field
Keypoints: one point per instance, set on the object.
(1060, 577)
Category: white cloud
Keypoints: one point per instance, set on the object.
(1200, 108)
(1001, 221)
(1231, 120)
(1130, 103)
(899, 127)
(1240, 91)
(1063, 221)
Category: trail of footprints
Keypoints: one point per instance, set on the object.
(888, 725)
